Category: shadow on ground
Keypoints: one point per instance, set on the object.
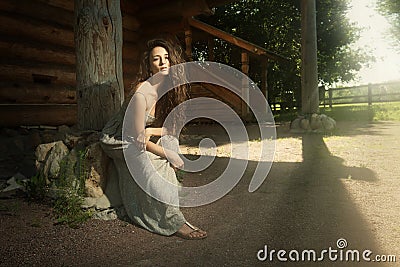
(300, 206)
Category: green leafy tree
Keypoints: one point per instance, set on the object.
(391, 10)
(276, 26)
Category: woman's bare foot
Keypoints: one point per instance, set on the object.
(188, 231)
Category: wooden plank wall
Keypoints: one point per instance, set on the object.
(37, 60)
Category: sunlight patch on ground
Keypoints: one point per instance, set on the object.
(289, 150)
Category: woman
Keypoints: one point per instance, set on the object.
(150, 159)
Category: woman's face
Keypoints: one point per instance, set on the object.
(159, 60)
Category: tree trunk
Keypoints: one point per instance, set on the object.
(98, 42)
(309, 74)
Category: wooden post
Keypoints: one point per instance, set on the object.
(369, 94)
(330, 92)
(264, 80)
(210, 44)
(245, 84)
(309, 75)
(98, 43)
(188, 43)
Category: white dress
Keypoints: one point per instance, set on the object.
(143, 209)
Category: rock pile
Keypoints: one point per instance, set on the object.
(319, 123)
(63, 157)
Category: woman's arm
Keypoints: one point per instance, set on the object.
(156, 131)
(172, 156)
(138, 120)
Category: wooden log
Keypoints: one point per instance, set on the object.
(173, 26)
(47, 7)
(68, 5)
(130, 66)
(130, 51)
(130, 36)
(31, 93)
(40, 11)
(98, 37)
(18, 72)
(52, 115)
(177, 8)
(128, 7)
(37, 52)
(130, 22)
(35, 30)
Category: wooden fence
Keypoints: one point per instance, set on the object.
(371, 93)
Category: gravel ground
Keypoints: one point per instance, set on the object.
(320, 189)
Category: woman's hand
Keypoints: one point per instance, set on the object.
(174, 159)
(141, 141)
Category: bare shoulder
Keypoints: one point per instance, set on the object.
(138, 91)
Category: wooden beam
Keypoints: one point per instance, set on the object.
(52, 115)
(255, 49)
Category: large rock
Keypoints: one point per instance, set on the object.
(96, 163)
(42, 150)
(317, 123)
(328, 123)
(305, 124)
(49, 158)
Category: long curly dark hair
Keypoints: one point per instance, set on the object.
(178, 94)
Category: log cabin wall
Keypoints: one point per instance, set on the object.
(37, 66)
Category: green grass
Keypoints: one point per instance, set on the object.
(353, 112)
(363, 112)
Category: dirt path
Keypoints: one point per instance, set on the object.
(320, 189)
